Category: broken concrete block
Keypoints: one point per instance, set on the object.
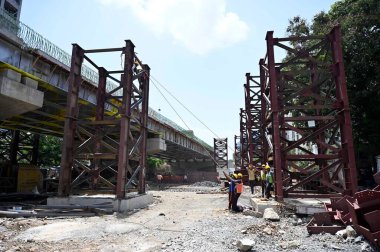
(253, 213)
(267, 230)
(342, 233)
(245, 244)
(29, 82)
(351, 231)
(10, 74)
(270, 214)
(294, 244)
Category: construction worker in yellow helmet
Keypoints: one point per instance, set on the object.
(237, 193)
(231, 190)
(263, 175)
(269, 181)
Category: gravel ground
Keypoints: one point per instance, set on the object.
(183, 218)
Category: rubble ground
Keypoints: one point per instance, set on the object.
(182, 218)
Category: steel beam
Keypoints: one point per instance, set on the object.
(126, 82)
(71, 116)
(253, 110)
(144, 87)
(344, 116)
(244, 161)
(275, 107)
(237, 150)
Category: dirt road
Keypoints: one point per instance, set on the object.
(178, 221)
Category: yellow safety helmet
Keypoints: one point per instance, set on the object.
(263, 166)
(267, 167)
(234, 175)
(239, 175)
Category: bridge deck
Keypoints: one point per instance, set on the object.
(40, 60)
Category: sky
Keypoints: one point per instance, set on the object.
(199, 50)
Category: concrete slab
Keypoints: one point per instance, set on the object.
(133, 201)
(260, 205)
(17, 98)
(307, 205)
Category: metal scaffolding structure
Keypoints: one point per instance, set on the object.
(305, 116)
(221, 152)
(18, 147)
(106, 149)
(253, 122)
(237, 151)
(244, 140)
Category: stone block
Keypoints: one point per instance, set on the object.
(245, 244)
(260, 205)
(10, 74)
(29, 82)
(270, 214)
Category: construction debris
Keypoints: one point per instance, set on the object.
(245, 244)
(41, 211)
(362, 211)
(270, 214)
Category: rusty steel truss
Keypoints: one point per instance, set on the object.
(244, 141)
(305, 117)
(18, 147)
(221, 152)
(253, 121)
(106, 151)
(237, 151)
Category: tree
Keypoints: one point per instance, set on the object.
(360, 24)
(49, 150)
(153, 164)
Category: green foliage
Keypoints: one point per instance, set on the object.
(154, 162)
(50, 150)
(360, 23)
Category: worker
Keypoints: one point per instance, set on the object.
(237, 192)
(159, 181)
(231, 190)
(251, 177)
(263, 175)
(269, 181)
(185, 178)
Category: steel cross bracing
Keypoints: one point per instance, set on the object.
(237, 151)
(221, 152)
(243, 140)
(109, 152)
(18, 147)
(306, 117)
(253, 122)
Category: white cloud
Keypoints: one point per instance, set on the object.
(199, 25)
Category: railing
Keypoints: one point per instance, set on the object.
(155, 115)
(35, 41)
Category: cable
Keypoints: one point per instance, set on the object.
(170, 105)
(153, 82)
(153, 78)
(199, 120)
